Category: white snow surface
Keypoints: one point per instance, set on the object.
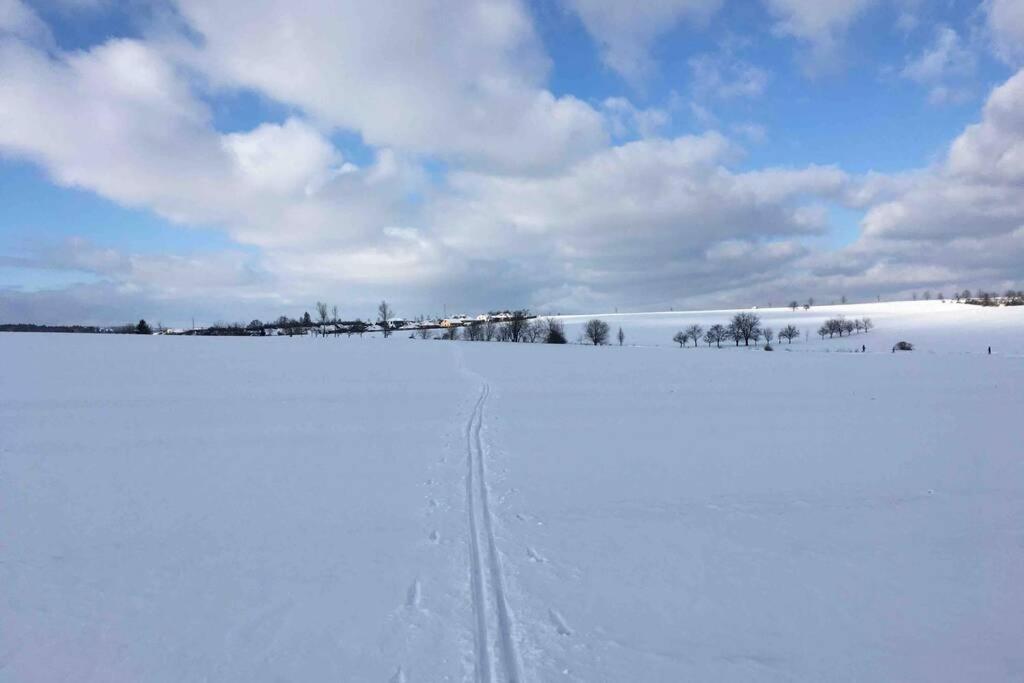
(929, 325)
(224, 509)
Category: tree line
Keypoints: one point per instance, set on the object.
(747, 328)
(520, 328)
(843, 326)
(1009, 298)
(744, 327)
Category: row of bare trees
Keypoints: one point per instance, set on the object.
(841, 326)
(744, 327)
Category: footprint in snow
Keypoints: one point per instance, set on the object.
(412, 598)
(559, 622)
(535, 556)
(399, 676)
(435, 537)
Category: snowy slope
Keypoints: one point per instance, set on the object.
(930, 325)
(187, 509)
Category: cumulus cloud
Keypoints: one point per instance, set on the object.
(462, 80)
(122, 121)
(647, 211)
(978, 189)
(284, 158)
(957, 224)
(626, 30)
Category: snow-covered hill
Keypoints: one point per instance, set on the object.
(932, 326)
(246, 509)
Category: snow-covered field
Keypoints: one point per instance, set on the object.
(930, 325)
(219, 509)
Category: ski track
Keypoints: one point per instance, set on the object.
(502, 663)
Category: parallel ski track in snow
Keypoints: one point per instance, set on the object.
(496, 660)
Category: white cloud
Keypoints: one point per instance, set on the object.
(284, 158)
(977, 191)
(1006, 22)
(120, 120)
(19, 20)
(726, 77)
(820, 24)
(642, 214)
(946, 57)
(462, 80)
(944, 67)
(625, 119)
(625, 30)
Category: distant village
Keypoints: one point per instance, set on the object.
(327, 324)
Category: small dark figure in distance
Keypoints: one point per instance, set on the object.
(863, 348)
(990, 350)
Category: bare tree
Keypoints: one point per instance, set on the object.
(768, 334)
(515, 328)
(731, 332)
(322, 314)
(473, 331)
(533, 331)
(867, 324)
(680, 338)
(748, 326)
(384, 314)
(597, 332)
(693, 332)
(793, 305)
(719, 333)
(451, 333)
(490, 329)
(622, 336)
(709, 337)
(789, 332)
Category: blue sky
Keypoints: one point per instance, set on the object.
(682, 153)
